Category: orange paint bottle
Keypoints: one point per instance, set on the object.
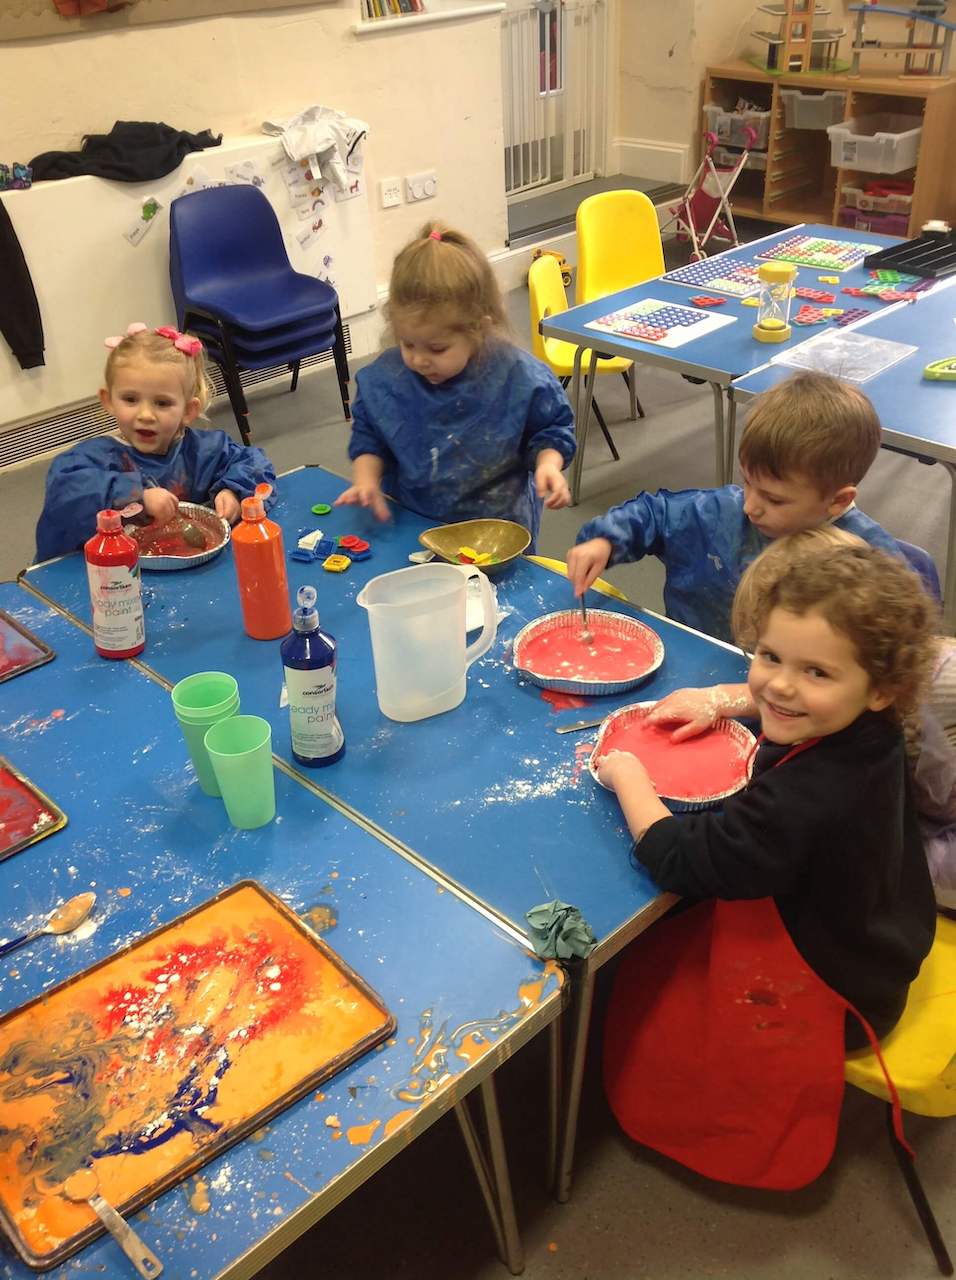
(260, 568)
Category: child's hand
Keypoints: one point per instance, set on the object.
(227, 505)
(586, 561)
(552, 486)
(365, 495)
(160, 504)
(620, 769)
(697, 710)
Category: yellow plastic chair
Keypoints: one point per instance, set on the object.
(547, 298)
(920, 1055)
(619, 243)
(558, 566)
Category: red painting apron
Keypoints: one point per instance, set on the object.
(724, 1050)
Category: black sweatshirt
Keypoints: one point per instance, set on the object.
(20, 320)
(832, 837)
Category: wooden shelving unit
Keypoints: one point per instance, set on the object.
(800, 184)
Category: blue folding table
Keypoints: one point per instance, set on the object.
(718, 357)
(487, 796)
(100, 739)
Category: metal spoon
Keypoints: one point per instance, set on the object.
(192, 534)
(63, 920)
(84, 1185)
(586, 635)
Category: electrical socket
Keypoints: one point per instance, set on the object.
(390, 190)
(421, 186)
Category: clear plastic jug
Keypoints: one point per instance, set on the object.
(417, 620)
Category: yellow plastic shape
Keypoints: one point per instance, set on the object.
(750, 302)
(494, 542)
(336, 564)
(832, 311)
(829, 279)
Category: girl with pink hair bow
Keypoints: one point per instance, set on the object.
(155, 389)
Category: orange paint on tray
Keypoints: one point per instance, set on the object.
(153, 1061)
(397, 1120)
(474, 1046)
(360, 1134)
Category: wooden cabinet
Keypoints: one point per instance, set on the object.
(799, 184)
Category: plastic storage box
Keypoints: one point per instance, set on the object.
(879, 144)
(887, 224)
(873, 202)
(729, 126)
(812, 110)
(724, 158)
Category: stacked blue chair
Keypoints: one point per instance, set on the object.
(234, 287)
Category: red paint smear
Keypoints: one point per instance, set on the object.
(563, 701)
(167, 540)
(183, 973)
(21, 813)
(15, 649)
(562, 654)
(698, 767)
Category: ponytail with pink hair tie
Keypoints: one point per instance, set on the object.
(183, 342)
(434, 235)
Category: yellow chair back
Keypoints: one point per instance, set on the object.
(619, 243)
(920, 1051)
(547, 298)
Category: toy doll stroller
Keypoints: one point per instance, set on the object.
(704, 213)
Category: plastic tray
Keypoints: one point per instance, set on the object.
(884, 143)
(812, 110)
(570, 620)
(729, 126)
(738, 733)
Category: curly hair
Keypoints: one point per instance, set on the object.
(155, 349)
(761, 574)
(811, 425)
(442, 274)
(874, 600)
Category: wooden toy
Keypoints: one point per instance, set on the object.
(920, 51)
(798, 45)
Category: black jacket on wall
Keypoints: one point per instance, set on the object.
(20, 321)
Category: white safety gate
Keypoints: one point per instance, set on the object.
(553, 77)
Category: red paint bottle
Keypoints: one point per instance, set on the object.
(112, 569)
(260, 567)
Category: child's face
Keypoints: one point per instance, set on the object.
(149, 404)
(806, 680)
(778, 507)
(433, 351)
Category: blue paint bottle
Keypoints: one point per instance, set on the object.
(308, 660)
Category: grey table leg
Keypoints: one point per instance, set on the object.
(730, 432)
(581, 1019)
(491, 1170)
(949, 587)
(582, 418)
(554, 1097)
(718, 391)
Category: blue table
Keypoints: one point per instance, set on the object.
(99, 739)
(717, 358)
(918, 416)
(487, 796)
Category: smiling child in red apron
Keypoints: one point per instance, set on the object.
(725, 1038)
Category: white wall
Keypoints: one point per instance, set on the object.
(431, 95)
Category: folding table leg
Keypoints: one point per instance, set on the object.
(582, 418)
(721, 467)
(580, 1013)
(491, 1170)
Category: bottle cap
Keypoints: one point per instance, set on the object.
(306, 617)
(776, 272)
(108, 521)
(254, 508)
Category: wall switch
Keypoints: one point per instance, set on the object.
(421, 186)
(390, 190)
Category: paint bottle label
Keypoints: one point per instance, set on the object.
(117, 607)
(316, 732)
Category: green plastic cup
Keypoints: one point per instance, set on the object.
(200, 701)
(240, 751)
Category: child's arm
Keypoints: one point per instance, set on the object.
(80, 483)
(225, 471)
(695, 710)
(628, 778)
(635, 529)
(549, 480)
(366, 487)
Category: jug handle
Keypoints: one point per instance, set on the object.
(490, 629)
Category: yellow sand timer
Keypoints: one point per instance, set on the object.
(776, 290)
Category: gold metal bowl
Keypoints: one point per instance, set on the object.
(502, 540)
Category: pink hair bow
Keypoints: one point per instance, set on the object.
(136, 327)
(181, 341)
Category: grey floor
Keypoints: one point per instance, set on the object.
(632, 1213)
